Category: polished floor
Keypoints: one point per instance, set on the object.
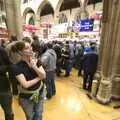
(71, 103)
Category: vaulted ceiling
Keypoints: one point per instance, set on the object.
(68, 4)
(47, 9)
(94, 1)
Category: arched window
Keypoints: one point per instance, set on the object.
(25, 1)
(63, 18)
(47, 9)
(1, 5)
(69, 4)
(31, 21)
(94, 1)
(3, 18)
(77, 17)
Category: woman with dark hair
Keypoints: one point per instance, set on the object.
(29, 74)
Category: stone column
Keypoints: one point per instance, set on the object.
(116, 50)
(37, 18)
(98, 76)
(13, 16)
(83, 12)
(18, 18)
(37, 23)
(10, 17)
(56, 17)
(107, 57)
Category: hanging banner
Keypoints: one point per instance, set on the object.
(86, 25)
(30, 28)
(83, 25)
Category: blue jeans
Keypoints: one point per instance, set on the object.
(6, 104)
(50, 83)
(67, 67)
(88, 78)
(32, 110)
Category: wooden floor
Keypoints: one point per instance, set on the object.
(70, 103)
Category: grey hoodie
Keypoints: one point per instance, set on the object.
(48, 60)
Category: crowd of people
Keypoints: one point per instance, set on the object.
(31, 65)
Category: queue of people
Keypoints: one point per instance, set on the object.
(32, 65)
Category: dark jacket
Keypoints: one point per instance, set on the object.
(4, 70)
(48, 60)
(90, 61)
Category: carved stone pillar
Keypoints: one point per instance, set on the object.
(104, 93)
(111, 14)
(18, 18)
(94, 88)
(37, 22)
(116, 62)
(98, 76)
(13, 16)
(83, 13)
(116, 87)
(9, 17)
(56, 17)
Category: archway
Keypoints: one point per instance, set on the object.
(95, 8)
(30, 12)
(31, 21)
(74, 3)
(46, 14)
(69, 4)
(2, 7)
(47, 9)
(93, 1)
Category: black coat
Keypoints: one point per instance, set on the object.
(4, 68)
(90, 61)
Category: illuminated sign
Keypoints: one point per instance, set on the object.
(86, 25)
